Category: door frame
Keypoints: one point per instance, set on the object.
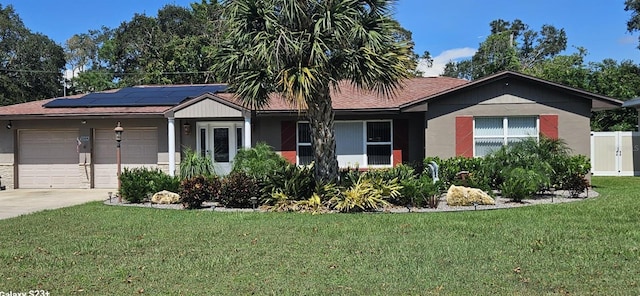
(206, 129)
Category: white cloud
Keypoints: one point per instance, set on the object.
(443, 58)
(628, 40)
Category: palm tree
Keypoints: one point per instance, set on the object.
(301, 49)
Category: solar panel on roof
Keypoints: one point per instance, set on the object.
(138, 96)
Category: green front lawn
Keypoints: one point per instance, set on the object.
(588, 247)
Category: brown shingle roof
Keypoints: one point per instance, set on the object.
(347, 98)
(351, 98)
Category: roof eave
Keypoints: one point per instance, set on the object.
(605, 102)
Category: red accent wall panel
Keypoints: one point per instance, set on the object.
(464, 136)
(400, 141)
(288, 140)
(549, 125)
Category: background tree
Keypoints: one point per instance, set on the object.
(87, 65)
(633, 24)
(302, 49)
(619, 80)
(31, 64)
(510, 46)
(609, 78)
(176, 47)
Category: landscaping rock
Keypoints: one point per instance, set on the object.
(466, 196)
(165, 197)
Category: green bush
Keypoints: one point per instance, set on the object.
(520, 183)
(576, 184)
(236, 190)
(401, 172)
(194, 191)
(292, 181)
(416, 192)
(550, 159)
(161, 181)
(449, 168)
(137, 183)
(527, 154)
(194, 164)
(572, 177)
(259, 162)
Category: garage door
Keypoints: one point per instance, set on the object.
(139, 148)
(48, 159)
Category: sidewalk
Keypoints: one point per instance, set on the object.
(16, 202)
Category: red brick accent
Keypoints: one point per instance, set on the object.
(400, 141)
(288, 140)
(549, 125)
(464, 136)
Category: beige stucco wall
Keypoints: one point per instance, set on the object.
(508, 98)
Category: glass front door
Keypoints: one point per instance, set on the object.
(220, 141)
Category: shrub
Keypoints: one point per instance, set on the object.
(449, 168)
(194, 191)
(401, 172)
(572, 177)
(137, 183)
(295, 182)
(366, 194)
(525, 154)
(417, 192)
(349, 176)
(576, 184)
(259, 161)
(161, 181)
(236, 190)
(194, 164)
(520, 183)
(576, 165)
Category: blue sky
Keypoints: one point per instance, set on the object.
(449, 29)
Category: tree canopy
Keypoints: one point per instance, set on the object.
(175, 47)
(510, 46)
(31, 64)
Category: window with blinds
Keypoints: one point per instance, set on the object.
(491, 133)
(358, 143)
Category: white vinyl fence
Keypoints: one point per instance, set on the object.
(615, 153)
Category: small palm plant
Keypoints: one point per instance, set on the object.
(194, 164)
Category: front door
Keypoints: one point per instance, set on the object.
(221, 142)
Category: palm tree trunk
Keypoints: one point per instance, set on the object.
(323, 140)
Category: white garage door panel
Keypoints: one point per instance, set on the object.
(48, 159)
(139, 148)
(49, 176)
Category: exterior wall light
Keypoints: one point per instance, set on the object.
(187, 128)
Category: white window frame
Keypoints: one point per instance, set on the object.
(365, 142)
(298, 144)
(505, 127)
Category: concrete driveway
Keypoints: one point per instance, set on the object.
(16, 202)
